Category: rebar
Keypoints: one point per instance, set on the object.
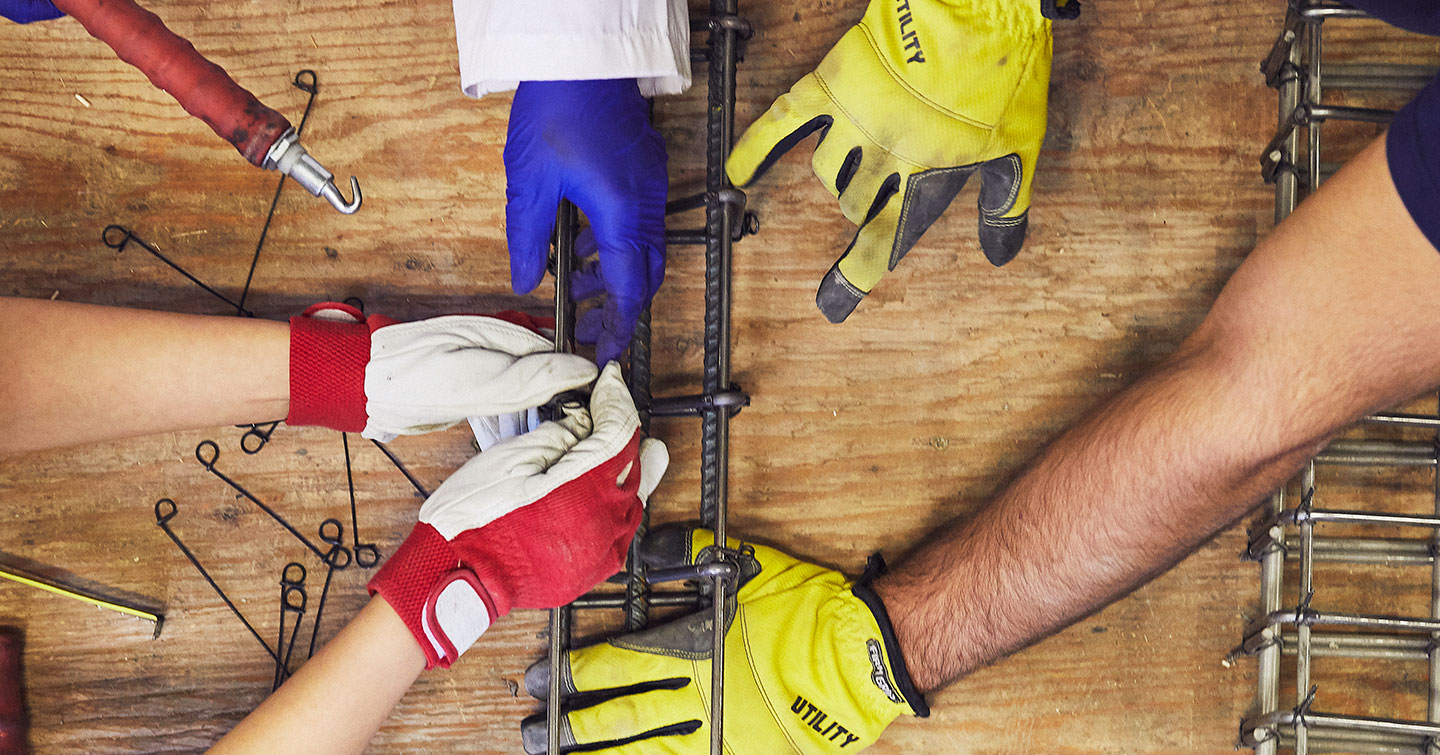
(566, 221)
(726, 221)
(1297, 68)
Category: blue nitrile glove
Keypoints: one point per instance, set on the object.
(588, 282)
(25, 11)
(590, 142)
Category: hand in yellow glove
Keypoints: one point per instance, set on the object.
(913, 100)
(811, 666)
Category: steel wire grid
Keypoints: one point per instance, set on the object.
(726, 220)
(1286, 530)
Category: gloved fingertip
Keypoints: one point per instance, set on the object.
(585, 244)
(527, 279)
(588, 327)
(527, 234)
(534, 738)
(608, 348)
(586, 282)
(837, 297)
(617, 326)
(1001, 238)
(537, 679)
(666, 546)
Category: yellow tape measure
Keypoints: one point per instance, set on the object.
(74, 594)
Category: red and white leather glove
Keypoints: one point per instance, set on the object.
(534, 522)
(383, 379)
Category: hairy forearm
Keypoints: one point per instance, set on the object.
(74, 373)
(1332, 316)
(1116, 500)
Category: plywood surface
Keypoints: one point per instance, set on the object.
(862, 437)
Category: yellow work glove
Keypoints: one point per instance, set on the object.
(811, 666)
(913, 100)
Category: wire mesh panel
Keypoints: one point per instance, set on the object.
(726, 221)
(1298, 620)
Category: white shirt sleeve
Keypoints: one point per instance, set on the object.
(504, 42)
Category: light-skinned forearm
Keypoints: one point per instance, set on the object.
(337, 701)
(75, 373)
(1332, 316)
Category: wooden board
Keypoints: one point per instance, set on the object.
(862, 437)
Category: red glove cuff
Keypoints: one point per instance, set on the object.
(327, 369)
(409, 581)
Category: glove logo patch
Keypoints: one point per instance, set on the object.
(816, 719)
(911, 39)
(877, 672)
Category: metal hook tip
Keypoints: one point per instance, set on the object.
(336, 200)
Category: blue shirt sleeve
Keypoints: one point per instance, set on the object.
(1412, 151)
(1421, 16)
(1412, 147)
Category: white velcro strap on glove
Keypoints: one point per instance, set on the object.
(525, 469)
(654, 460)
(426, 375)
(456, 614)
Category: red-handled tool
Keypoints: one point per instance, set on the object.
(260, 135)
(14, 724)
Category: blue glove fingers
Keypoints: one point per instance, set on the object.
(532, 187)
(586, 282)
(608, 328)
(617, 325)
(529, 224)
(27, 11)
(623, 196)
(588, 326)
(591, 142)
(585, 246)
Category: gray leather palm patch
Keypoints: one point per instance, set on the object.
(927, 196)
(1000, 237)
(836, 297)
(534, 737)
(687, 638)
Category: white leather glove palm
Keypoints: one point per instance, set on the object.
(384, 379)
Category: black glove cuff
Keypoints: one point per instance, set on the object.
(1060, 10)
(874, 567)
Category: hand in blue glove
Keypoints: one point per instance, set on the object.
(25, 11)
(590, 142)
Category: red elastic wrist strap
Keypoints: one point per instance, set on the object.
(406, 580)
(327, 372)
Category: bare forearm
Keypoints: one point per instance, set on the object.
(1118, 499)
(74, 373)
(337, 701)
(1332, 316)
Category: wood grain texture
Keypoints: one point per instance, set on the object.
(862, 437)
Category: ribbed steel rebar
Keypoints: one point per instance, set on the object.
(566, 220)
(637, 591)
(715, 425)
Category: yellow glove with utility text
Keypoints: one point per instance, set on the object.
(913, 100)
(811, 666)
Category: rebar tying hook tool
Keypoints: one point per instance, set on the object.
(289, 157)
